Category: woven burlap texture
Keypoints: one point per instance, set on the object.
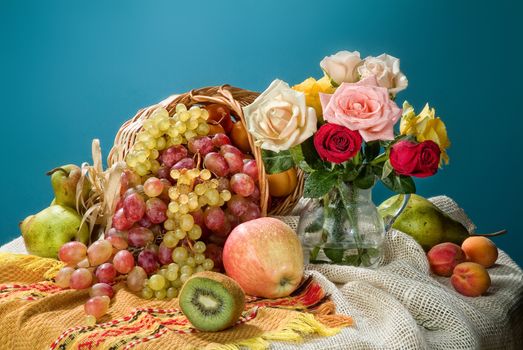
(401, 305)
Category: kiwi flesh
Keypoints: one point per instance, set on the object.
(211, 301)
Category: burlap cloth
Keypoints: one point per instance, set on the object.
(400, 305)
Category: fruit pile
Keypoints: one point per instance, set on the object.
(185, 188)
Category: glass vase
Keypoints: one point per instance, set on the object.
(343, 228)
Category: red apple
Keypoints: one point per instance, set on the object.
(265, 257)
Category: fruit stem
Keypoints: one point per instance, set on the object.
(52, 171)
(493, 234)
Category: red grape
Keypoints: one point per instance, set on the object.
(156, 210)
(106, 273)
(152, 247)
(134, 207)
(199, 220)
(145, 221)
(223, 184)
(165, 254)
(219, 140)
(115, 232)
(140, 236)
(234, 161)
(99, 252)
(202, 145)
(255, 196)
(129, 179)
(231, 149)
(164, 196)
(242, 184)
(173, 154)
(118, 242)
(214, 218)
(238, 205)
(250, 168)
(164, 172)
(234, 220)
(214, 252)
(100, 289)
(224, 230)
(63, 277)
(120, 222)
(147, 261)
(216, 164)
(97, 306)
(153, 187)
(136, 279)
(123, 261)
(81, 279)
(253, 212)
(185, 163)
(72, 252)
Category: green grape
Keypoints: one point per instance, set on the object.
(180, 107)
(208, 264)
(184, 116)
(179, 234)
(177, 283)
(203, 129)
(156, 282)
(192, 124)
(171, 275)
(183, 199)
(131, 160)
(141, 169)
(170, 240)
(190, 262)
(213, 196)
(180, 254)
(172, 133)
(160, 294)
(161, 143)
(143, 137)
(221, 202)
(184, 188)
(173, 267)
(195, 111)
(155, 132)
(186, 270)
(160, 112)
(155, 165)
(148, 124)
(189, 134)
(173, 193)
(184, 209)
(186, 222)
(202, 201)
(204, 114)
(169, 224)
(195, 232)
(214, 183)
(147, 293)
(141, 156)
(173, 207)
(199, 257)
(172, 293)
(225, 195)
(199, 247)
(90, 320)
(162, 272)
(181, 127)
(177, 140)
(175, 174)
(163, 124)
(200, 189)
(199, 268)
(184, 277)
(154, 154)
(193, 203)
(193, 173)
(170, 214)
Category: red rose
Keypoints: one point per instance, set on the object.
(415, 159)
(336, 143)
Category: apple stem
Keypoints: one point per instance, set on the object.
(493, 234)
(52, 171)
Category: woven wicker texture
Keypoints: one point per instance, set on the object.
(232, 97)
(401, 305)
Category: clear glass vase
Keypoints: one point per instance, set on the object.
(343, 228)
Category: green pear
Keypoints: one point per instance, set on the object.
(64, 180)
(44, 233)
(425, 222)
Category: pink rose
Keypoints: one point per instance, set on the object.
(362, 106)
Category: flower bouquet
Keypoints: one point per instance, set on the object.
(340, 131)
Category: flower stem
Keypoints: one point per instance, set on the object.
(350, 208)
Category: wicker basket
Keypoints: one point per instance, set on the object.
(232, 97)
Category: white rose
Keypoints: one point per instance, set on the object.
(279, 118)
(341, 67)
(386, 69)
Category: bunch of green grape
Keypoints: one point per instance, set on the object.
(161, 131)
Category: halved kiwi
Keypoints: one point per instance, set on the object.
(211, 301)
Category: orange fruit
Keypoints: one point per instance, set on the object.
(239, 137)
(282, 184)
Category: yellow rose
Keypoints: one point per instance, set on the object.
(425, 126)
(311, 88)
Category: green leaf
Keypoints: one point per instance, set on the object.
(366, 178)
(319, 183)
(400, 183)
(372, 150)
(277, 162)
(311, 157)
(296, 154)
(387, 169)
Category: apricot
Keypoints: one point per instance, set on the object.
(480, 250)
(215, 128)
(239, 138)
(444, 257)
(470, 279)
(282, 184)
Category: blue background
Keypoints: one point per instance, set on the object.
(72, 71)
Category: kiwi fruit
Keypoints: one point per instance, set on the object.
(211, 301)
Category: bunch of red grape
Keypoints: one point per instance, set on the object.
(182, 194)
